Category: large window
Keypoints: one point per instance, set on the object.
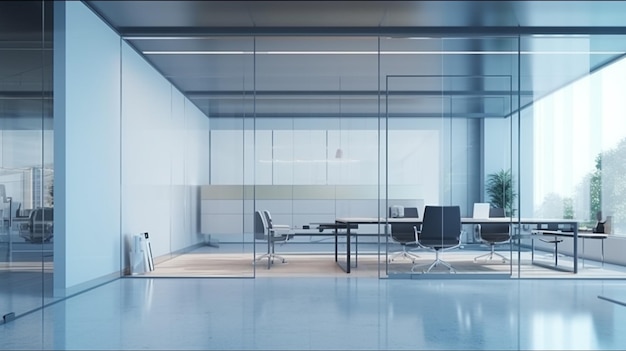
(579, 143)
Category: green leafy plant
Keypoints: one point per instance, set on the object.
(499, 188)
(595, 189)
(50, 198)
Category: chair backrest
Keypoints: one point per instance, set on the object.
(405, 232)
(496, 212)
(441, 224)
(260, 226)
(495, 228)
(411, 212)
(41, 220)
(16, 206)
(268, 219)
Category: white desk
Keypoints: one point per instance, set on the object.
(348, 222)
(557, 233)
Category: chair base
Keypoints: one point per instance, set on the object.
(435, 263)
(551, 254)
(404, 254)
(489, 256)
(271, 258)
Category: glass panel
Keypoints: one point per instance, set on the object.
(316, 159)
(228, 192)
(26, 164)
(573, 136)
(187, 174)
(438, 115)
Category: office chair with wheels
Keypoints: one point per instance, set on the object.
(277, 228)
(441, 231)
(262, 232)
(405, 235)
(493, 234)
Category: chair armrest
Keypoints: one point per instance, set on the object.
(279, 230)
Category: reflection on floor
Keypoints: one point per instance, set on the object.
(236, 260)
(25, 275)
(309, 303)
(329, 314)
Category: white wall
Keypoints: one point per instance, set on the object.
(293, 172)
(131, 152)
(87, 148)
(147, 157)
(165, 158)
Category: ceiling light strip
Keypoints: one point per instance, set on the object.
(382, 53)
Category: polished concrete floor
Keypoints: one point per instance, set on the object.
(329, 313)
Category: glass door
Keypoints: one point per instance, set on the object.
(440, 119)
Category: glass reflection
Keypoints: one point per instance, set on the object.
(26, 156)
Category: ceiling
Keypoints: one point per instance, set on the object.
(319, 58)
(464, 65)
(193, 17)
(25, 65)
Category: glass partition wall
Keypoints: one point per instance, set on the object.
(315, 129)
(398, 126)
(440, 98)
(26, 149)
(316, 138)
(229, 200)
(570, 144)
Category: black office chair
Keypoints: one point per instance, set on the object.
(441, 231)
(262, 232)
(405, 235)
(493, 234)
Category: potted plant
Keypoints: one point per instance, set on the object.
(499, 188)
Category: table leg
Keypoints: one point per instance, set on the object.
(556, 251)
(348, 249)
(575, 248)
(602, 252)
(532, 248)
(583, 252)
(336, 243)
(356, 250)
(269, 249)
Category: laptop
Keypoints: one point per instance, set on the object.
(481, 210)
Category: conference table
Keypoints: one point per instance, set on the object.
(348, 223)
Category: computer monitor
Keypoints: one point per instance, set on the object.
(481, 210)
